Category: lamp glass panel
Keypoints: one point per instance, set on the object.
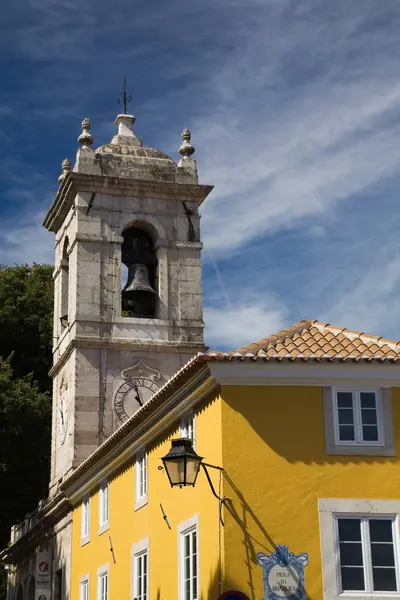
(176, 470)
(192, 468)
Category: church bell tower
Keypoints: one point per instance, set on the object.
(128, 297)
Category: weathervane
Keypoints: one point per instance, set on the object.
(124, 98)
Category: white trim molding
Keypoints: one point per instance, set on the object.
(291, 373)
(85, 521)
(188, 526)
(188, 422)
(138, 549)
(82, 580)
(104, 524)
(329, 510)
(103, 570)
(141, 499)
(386, 444)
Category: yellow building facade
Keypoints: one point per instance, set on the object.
(273, 427)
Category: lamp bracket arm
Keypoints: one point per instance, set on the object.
(221, 500)
(204, 465)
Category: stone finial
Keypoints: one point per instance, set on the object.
(66, 167)
(186, 149)
(85, 139)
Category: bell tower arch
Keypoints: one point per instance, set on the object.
(127, 233)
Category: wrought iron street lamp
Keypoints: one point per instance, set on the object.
(182, 465)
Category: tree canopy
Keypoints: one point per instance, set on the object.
(26, 306)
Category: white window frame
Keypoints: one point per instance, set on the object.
(104, 507)
(84, 581)
(185, 528)
(101, 572)
(333, 447)
(366, 550)
(330, 510)
(357, 417)
(85, 521)
(141, 497)
(183, 427)
(139, 549)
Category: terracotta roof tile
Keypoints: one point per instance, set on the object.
(313, 340)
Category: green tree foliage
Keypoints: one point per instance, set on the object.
(26, 304)
(24, 446)
(26, 308)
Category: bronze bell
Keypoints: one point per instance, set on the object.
(138, 280)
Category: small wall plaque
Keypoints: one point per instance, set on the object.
(283, 574)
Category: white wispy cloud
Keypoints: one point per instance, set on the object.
(243, 322)
(25, 241)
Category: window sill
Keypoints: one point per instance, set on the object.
(141, 502)
(360, 450)
(85, 540)
(365, 596)
(104, 528)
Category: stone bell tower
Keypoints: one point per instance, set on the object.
(128, 297)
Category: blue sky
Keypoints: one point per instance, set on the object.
(294, 108)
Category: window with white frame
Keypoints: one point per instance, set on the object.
(140, 575)
(359, 548)
(367, 554)
(188, 563)
(102, 584)
(141, 480)
(84, 589)
(104, 500)
(85, 519)
(187, 428)
(358, 418)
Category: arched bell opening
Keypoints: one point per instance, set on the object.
(64, 286)
(139, 296)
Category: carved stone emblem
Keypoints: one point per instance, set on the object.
(141, 369)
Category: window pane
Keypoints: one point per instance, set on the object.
(382, 555)
(351, 554)
(380, 530)
(349, 530)
(352, 578)
(384, 580)
(345, 400)
(370, 433)
(345, 416)
(194, 588)
(369, 416)
(367, 400)
(346, 433)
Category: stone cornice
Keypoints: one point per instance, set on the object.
(80, 182)
(105, 342)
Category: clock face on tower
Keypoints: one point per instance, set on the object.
(132, 395)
